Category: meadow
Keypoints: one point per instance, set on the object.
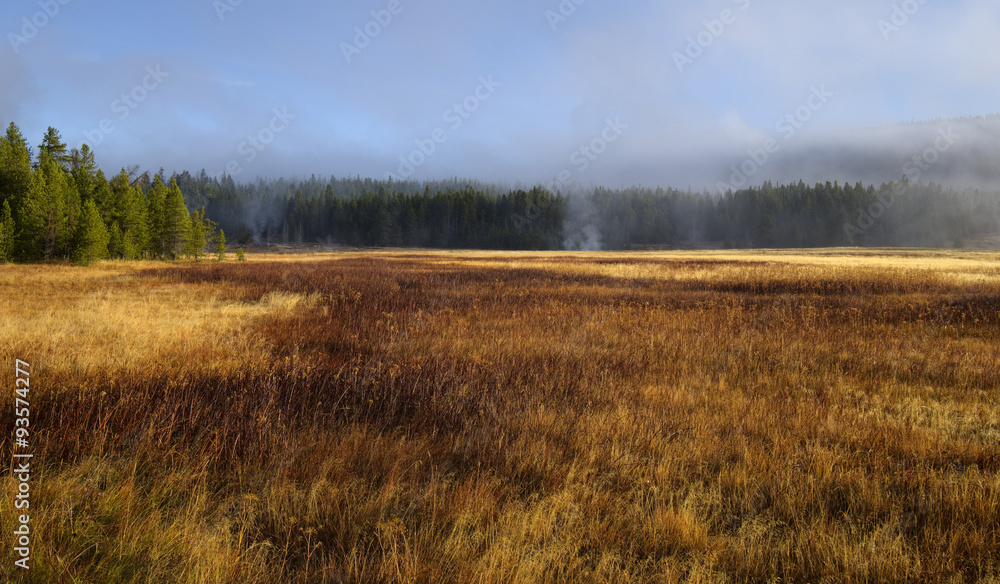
(479, 417)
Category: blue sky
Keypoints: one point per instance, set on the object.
(227, 66)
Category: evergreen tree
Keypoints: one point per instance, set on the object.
(176, 223)
(16, 185)
(101, 193)
(220, 246)
(36, 221)
(130, 232)
(71, 207)
(116, 244)
(156, 202)
(134, 225)
(92, 236)
(6, 234)
(83, 169)
(53, 147)
(196, 237)
(57, 209)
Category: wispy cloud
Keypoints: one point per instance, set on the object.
(606, 60)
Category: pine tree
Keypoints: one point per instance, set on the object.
(72, 207)
(130, 234)
(33, 216)
(196, 237)
(176, 223)
(116, 244)
(6, 234)
(83, 169)
(156, 202)
(92, 236)
(134, 225)
(57, 213)
(53, 147)
(102, 196)
(16, 185)
(220, 245)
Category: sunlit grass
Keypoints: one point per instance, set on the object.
(823, 416)
(110, 318)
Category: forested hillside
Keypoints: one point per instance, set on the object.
(59, 205)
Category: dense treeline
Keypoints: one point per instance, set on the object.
(366, 212)
(457, 214)
(59, 205)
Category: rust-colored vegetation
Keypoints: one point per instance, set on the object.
(489, 417)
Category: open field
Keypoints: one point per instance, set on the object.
(820, 416)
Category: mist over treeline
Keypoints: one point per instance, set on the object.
(468, 214)
(959, 152)
(929, 183)
(60, 205)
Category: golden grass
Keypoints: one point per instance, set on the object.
(819, 416)
(110, 318)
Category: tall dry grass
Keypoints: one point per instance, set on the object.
(485, 417)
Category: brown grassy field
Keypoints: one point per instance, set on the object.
(828, 416)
